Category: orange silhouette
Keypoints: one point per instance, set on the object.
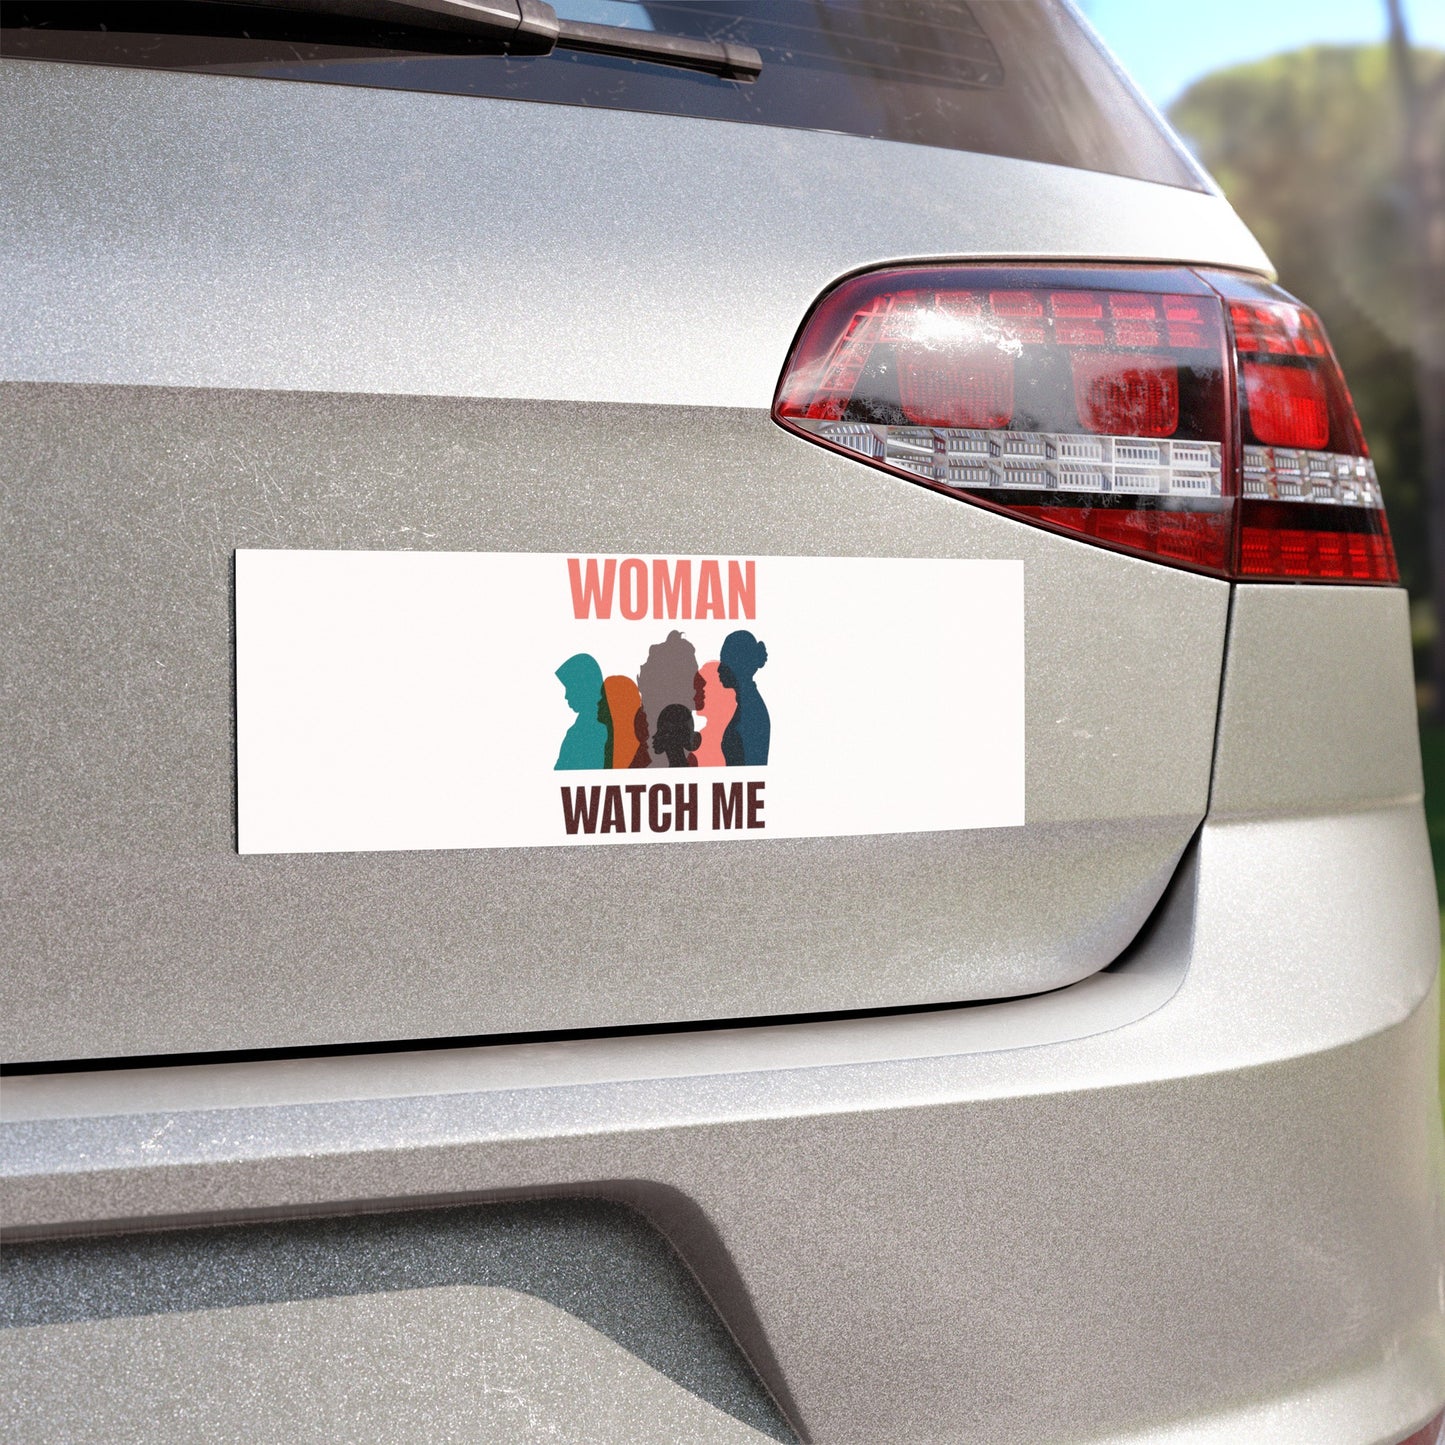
(629, 726)
(717, 704)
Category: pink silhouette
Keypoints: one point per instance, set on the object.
(715, 706)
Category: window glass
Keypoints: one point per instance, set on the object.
(1016, 78)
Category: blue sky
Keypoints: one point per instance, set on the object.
(1165, 44)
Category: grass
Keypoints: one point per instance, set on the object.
(1432, 754)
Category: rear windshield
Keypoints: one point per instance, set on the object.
(1017, 78)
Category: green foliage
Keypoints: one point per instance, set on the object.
(1307, 147)
(1432, 755)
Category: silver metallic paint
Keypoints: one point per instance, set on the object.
(1106, 1000)
(134, 928)
(560, 1319)
(1232, 1200)
(190, 230)
(1318, 708)
(450, 1363)
(1218, 1221)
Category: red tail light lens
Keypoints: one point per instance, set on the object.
(1286, 404)
(953, 391)
(1431, 1434)
(1121, 395)
(1275, 328)
(1309, 502)
(1199, 420)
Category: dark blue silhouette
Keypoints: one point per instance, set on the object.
(745, 741)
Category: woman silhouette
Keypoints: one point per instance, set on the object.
(675, 738)
(668, 676)
(716, 704)
(746, 739)
(585, 745)
(624, 703)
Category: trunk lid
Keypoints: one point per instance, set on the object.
(248, 314)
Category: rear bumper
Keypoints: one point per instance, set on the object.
(1200, 1193)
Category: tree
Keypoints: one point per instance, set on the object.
(1307, 146)
(1422, 113)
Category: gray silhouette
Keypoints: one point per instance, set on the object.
(668, 677)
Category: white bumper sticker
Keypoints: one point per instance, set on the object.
(404, 700)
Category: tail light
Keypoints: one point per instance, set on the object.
(1431, 1434)
(1198, 419)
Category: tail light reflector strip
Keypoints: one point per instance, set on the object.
(1009, 461)
(1281, 474)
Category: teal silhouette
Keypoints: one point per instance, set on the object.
(585, 745)
(747, 737)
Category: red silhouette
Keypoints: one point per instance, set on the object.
(717, 704)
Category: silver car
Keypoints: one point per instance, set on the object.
(427, 426)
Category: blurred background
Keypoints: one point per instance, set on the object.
(1324, 122)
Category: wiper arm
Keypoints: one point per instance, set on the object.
(466, 27)
(531, 27)
(716, 57)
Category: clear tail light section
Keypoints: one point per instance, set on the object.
(1199, 420)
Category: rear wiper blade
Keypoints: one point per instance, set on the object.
(717, 57)
(451, 27)
(531, 27)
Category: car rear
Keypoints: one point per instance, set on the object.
(1039, 1043)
